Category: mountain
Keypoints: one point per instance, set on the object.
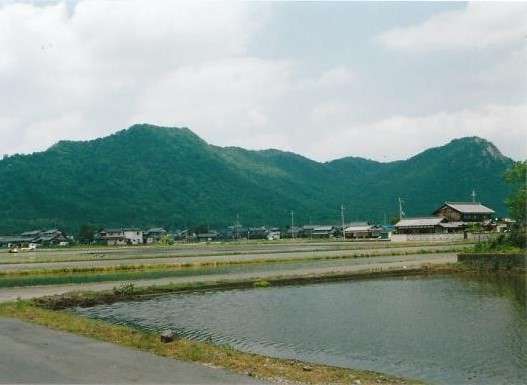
(158, 176)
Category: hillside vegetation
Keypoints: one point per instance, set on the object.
(157, 176)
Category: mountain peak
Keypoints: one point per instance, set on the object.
(486, 147)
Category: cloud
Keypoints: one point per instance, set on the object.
(224, 101)
(479, 25)
(400, 137)
(509, 71)
(86, 69)
(335, 77)
(70, 72)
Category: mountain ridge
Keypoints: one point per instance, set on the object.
(166, 176)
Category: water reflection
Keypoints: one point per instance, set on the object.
(451, 330)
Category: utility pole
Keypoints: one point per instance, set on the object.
(342, 208)
(401, 212)
(292, 224)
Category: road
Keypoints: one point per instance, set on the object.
(32, 354)
(354, 265)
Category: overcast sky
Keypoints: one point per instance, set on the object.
(379, 80)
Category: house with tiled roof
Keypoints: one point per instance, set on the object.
(424, 225)
(154, 234)
(464, 212)
(357, 230)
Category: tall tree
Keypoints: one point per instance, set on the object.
(86, 233)
(516, 176)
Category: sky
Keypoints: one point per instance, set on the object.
(326, 80)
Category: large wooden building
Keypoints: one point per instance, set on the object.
(464, 212)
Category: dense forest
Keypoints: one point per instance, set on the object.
(158, 176)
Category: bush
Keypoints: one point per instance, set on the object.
(503, 243)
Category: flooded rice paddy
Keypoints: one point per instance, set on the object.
(443, 329)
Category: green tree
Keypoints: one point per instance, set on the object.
(86, 233)
(166, 240)
(516, 176)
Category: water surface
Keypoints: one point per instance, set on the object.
(447, 330)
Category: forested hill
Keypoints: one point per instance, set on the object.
(155, 176)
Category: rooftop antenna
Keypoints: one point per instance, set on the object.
(473, 196)
(401, 212)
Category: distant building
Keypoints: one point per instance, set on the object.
(207, 237)
(362, 230)
(425, 225)
(133, 236)
(154, 234)
(52, 237)
(111, 237)
(273, 234)
(317, 231)
(464, 212)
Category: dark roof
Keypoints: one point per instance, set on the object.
(358, 227)
(33, 233)
(156, 230)
(467, 208)
(453, 225)
(13, 239)
(419, 222)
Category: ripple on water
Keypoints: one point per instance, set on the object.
(448, 330)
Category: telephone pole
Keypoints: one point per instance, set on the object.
(292, 224)
(342, 208)
(401, 212)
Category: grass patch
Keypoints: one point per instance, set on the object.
(262, 283)
(219, 356)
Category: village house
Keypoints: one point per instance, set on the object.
(207, 237)
(52, 237)
(133, 236)
(318, 231)
(116, 237)
(425, 225)
(362, 230)
(111, 237)
(274, 234)
(154, 234)
(464, 212)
